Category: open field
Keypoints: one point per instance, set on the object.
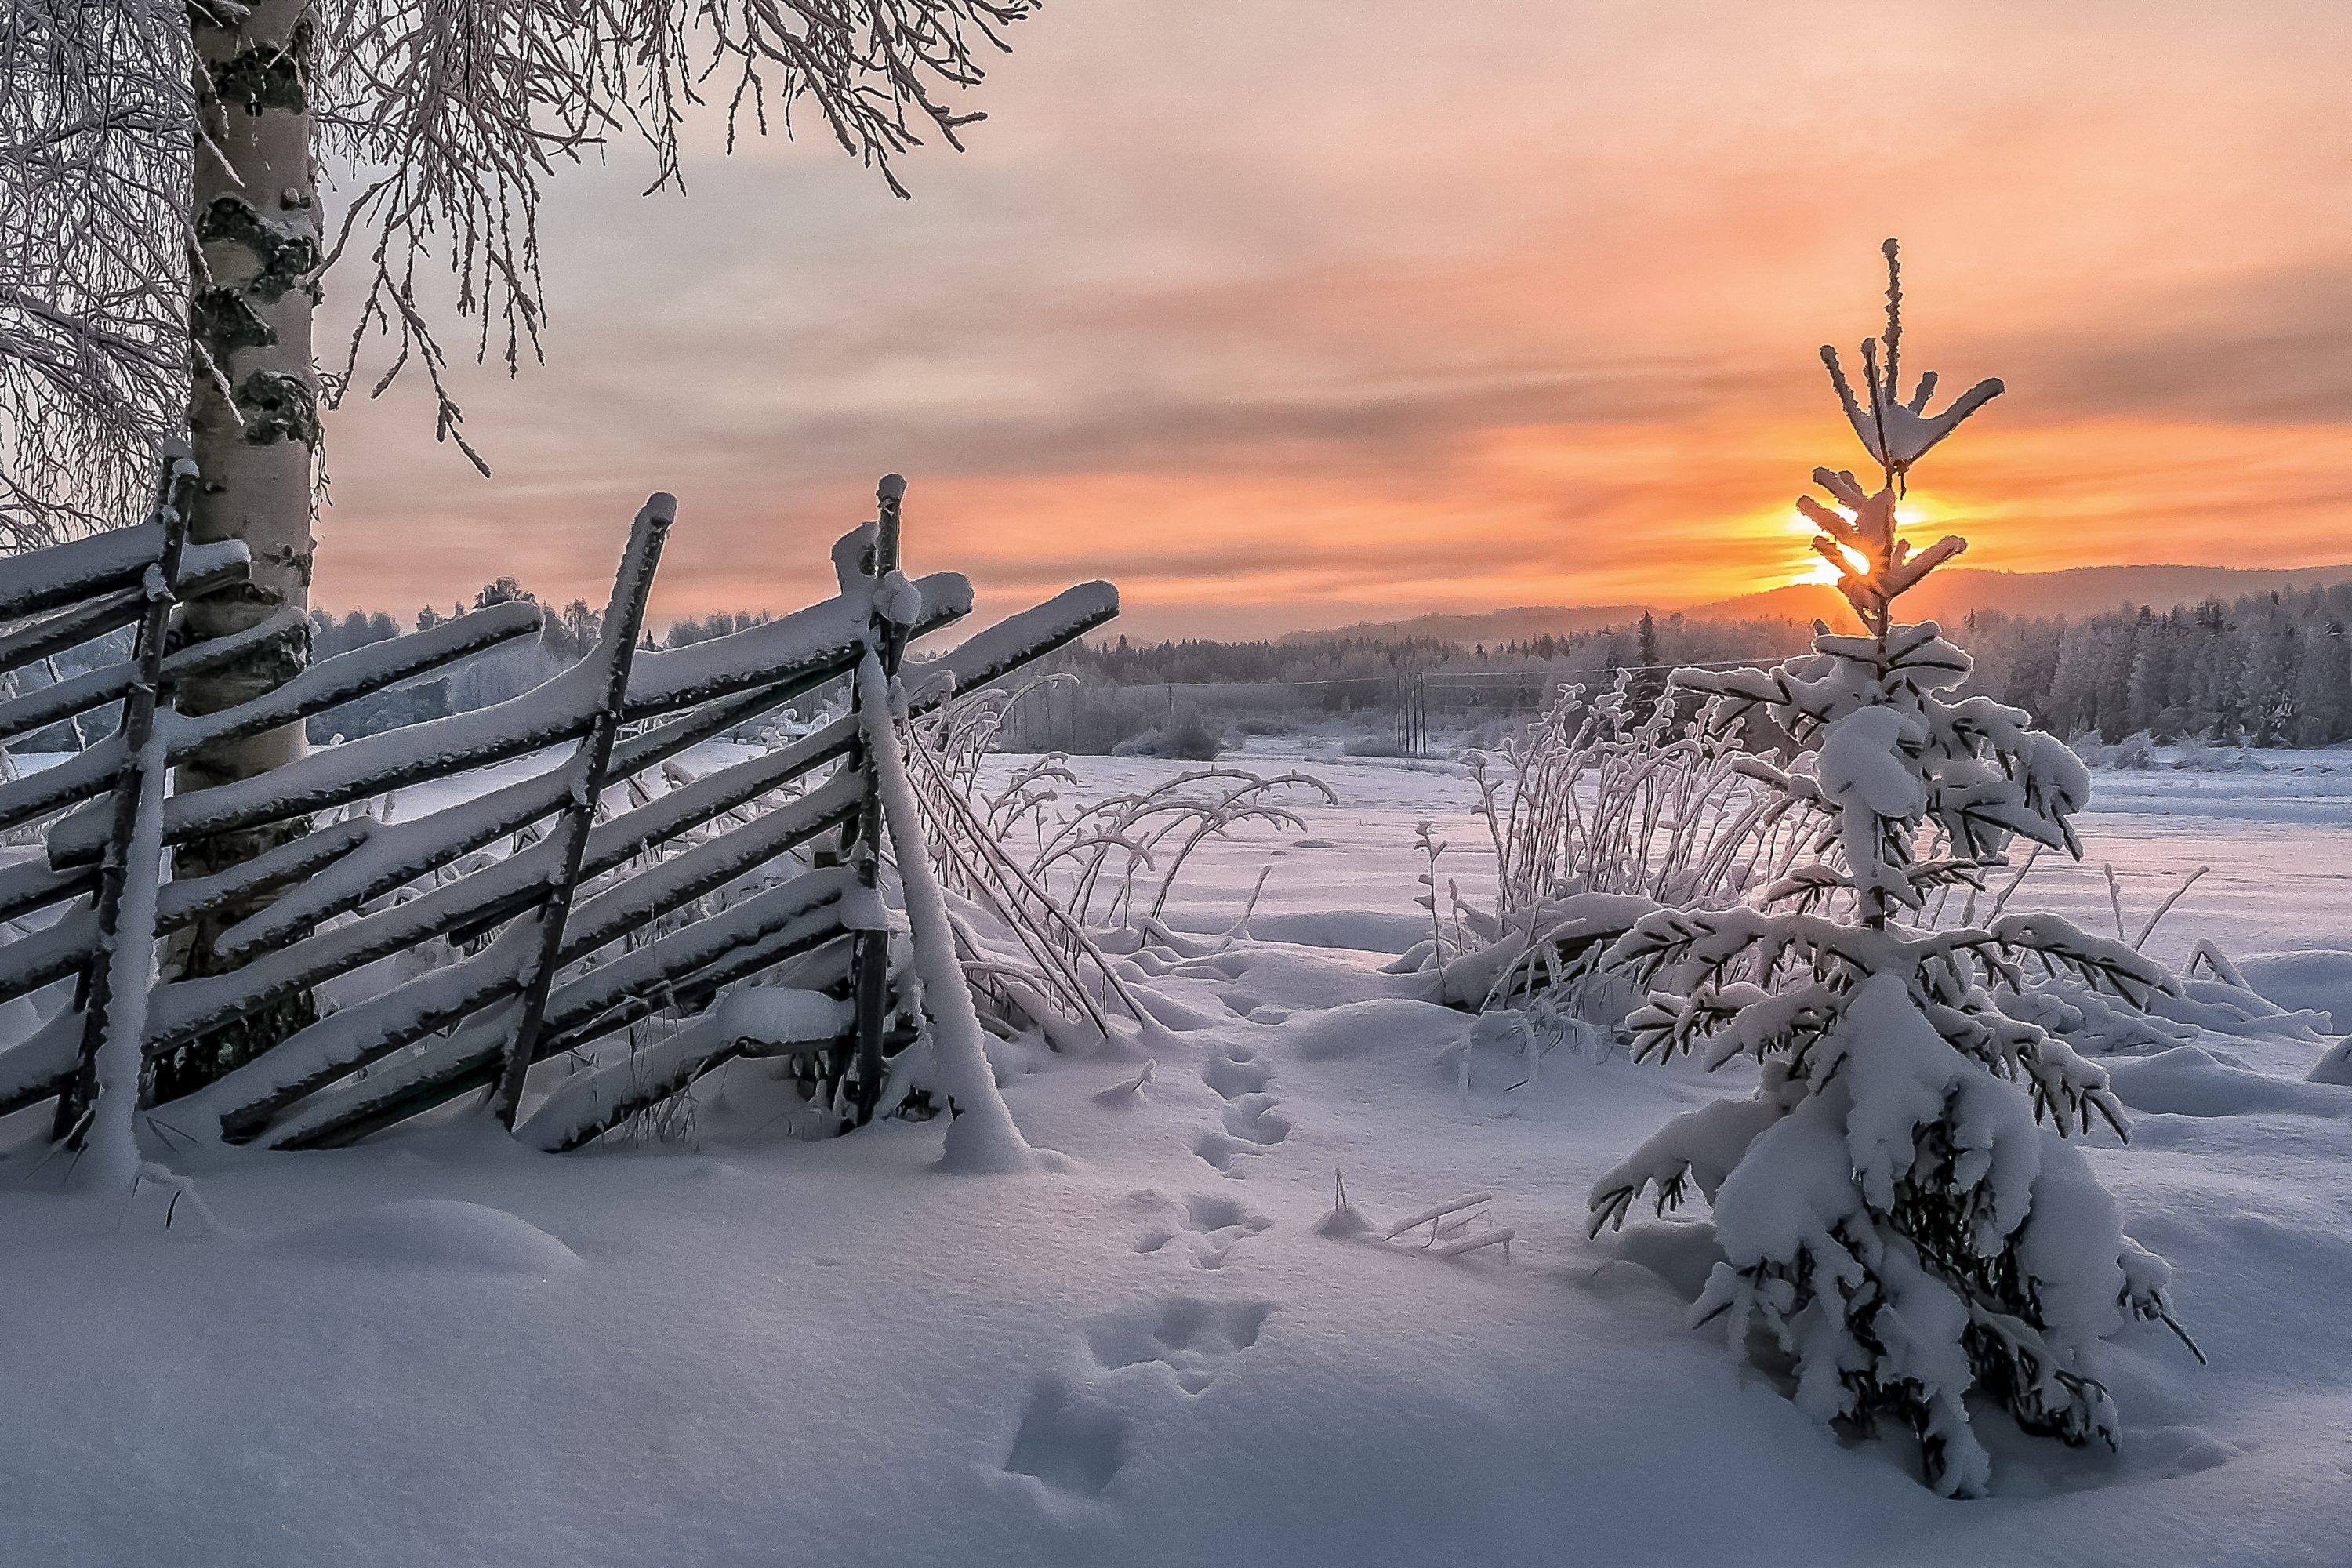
(749, 1349)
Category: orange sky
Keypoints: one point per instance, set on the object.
(1282, 313)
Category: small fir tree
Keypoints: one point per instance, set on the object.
(1898, 1208)
(1649, 679)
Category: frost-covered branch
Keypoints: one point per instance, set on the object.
(446, 118)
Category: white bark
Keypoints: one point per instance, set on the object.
(253, 404)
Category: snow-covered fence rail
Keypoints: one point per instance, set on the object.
(613, 901)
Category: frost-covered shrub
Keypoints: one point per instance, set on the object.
(1614, 793)
(2137, 750)
(1187, 737)
(2199, 754)
(1898, 1208)
(1191, 738)
(1488, 736)
(1604, 810)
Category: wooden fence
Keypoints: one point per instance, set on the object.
(604, 913)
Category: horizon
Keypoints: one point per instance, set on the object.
(1518, 312)
(1727, 609)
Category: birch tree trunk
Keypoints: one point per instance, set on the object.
(253, 417)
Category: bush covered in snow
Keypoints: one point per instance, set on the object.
(1609, 808)
(1191, 738)
(1899, 1211)
(1186, 736)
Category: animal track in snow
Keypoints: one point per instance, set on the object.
(1068, 1440)
(1209, 1227)
(1240, 1078)
(1194, 1337)
(1221, 1151)
(1071, 1439)
(1251, 1118)
(1234, 1076)
(1225, 966)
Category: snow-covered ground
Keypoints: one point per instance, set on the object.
(438, 1348)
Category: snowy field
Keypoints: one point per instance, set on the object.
(749, 1349)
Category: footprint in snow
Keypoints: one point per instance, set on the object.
(1251, 1119)
(1236, 1072)
(1067, 1441)
(1072, 1440)
(1252, 1126)
(1221, 1152)
(1194, 1339)
(1209, 1226)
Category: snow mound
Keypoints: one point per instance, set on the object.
(1365, 931)
(2188, 1080)
(431, 1233)
(1377, 1026)
(2336, 1066)
(1682, 1252)
(2319, 981)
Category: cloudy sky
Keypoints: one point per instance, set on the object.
(1288, 313)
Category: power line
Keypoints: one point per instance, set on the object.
(1523, 677)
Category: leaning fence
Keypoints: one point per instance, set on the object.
(526, 920)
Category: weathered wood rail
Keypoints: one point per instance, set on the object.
(612, 902)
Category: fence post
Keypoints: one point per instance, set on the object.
(624, 620)
(137, 725)
(870, 951)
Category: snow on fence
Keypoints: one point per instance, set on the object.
(603, 867)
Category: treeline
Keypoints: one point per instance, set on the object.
(564, 637)
(1161, 698)
(2267, 670)
(2270, 669)
(1649, 644)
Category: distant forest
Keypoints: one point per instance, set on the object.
(567, 633)
(2266, 670)
(2270, 669)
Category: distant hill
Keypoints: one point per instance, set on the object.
(2078, 591)
(1946, 596)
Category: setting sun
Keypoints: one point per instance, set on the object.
(1909, 513)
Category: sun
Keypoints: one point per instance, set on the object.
(1910, 513)
(1821, 573)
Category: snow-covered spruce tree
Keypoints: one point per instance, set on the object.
(164, 241)
(1898, 1208)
